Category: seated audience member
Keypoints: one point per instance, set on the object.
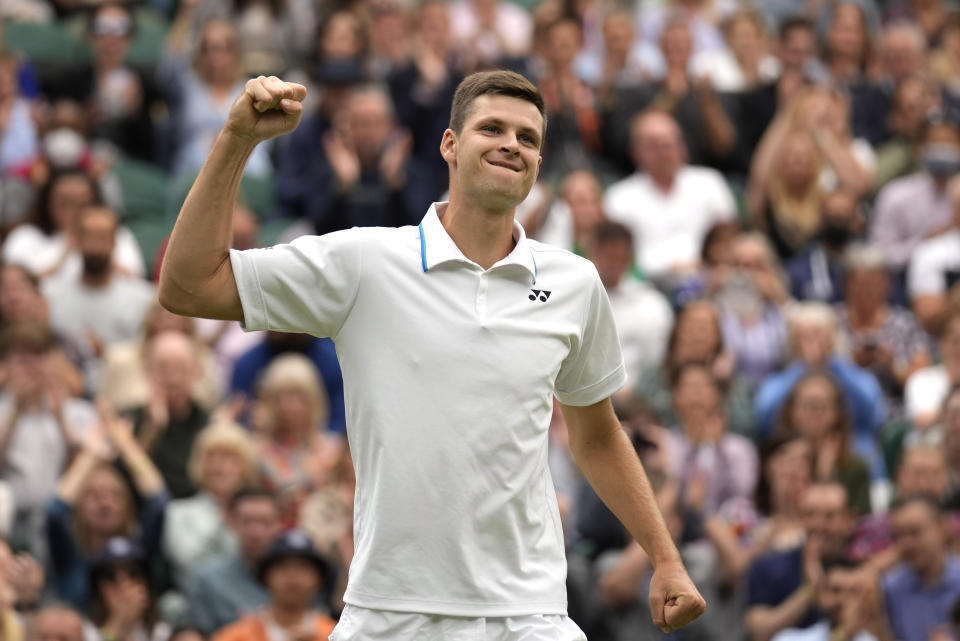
(101, 305)
(847, 608)
(780, 584)
(883, 339)
(914, 98)
(569, 220)
(22, 303)
(950, 423)
(359, 175)
(816, 411)
(200, 95)
(710, 465)
(250, 366)
(927, 388)
(47, 243)
(667, 204)
(772, 521)
(910, 209)
(920, 592)
(744, 63)
(42, 423)
(696, 338)
(169, 422)
(121, 603)
(934, 269)
(813, 337)
(21, 586)
(294, 575)
(751, 299)
(18, 138)
(642, 314)
(816, 273)
(93, 504)
(222, 461)
(56, 623)
(221, 591)
(294, 450)
(126, 382)
(490, 32)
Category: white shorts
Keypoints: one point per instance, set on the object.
(363, 624)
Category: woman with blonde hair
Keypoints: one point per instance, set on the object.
(294, 452)
(222, 461)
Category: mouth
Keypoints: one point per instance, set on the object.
(500, 163)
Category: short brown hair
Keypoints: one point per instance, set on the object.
(496, 83)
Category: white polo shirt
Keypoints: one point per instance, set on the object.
(449, 376)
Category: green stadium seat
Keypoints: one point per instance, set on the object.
(50, 44)
(144, 189)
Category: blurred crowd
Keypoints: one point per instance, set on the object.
(770, 193)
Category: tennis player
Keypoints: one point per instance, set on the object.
(454, 338)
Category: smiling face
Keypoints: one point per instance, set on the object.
(495, 158)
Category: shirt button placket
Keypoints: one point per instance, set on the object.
(482, 295)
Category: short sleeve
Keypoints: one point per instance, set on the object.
(924, 276)
(593, 370)
(308, 285)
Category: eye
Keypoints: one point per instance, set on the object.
(527, 138)
(491, 128)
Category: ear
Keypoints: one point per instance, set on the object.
(448, 146)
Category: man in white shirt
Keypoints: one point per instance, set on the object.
(454, 337)
(668, 205)
(643, 315)
(935, 269)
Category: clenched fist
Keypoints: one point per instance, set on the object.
(268, 107)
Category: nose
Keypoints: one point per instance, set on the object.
(510, 144)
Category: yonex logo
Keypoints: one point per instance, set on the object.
(539, 294)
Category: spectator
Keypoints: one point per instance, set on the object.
(56, 623)
(816, 411)
(710, 465)
(917, 206)
(913, 100)
(41, 423)
(294, 454)
(935, 269)
(883, 339)
(251, 365)
(200, 96)
(222, 461)
(573, 138)
(220, 591)
(848, 611)
(167, 425)
(751, 298)
(671, 205)
(813, 340)
(698, 17)
(744, 63)
(944, 62)
(47, 245)
(624, 61)
(696, 338)
(101, 305)
(126, 381)
(816, 273)
(18, 133)
(927, 388)
(847, 48)
(704, 124)
(780, 584)
(121, 603)
(642, 314)
(359, 174)
(294, 574)
(951, 446)
(93, 504)
(492, 32)
(920, 592)
(570, 221)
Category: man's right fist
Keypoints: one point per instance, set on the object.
(268, 107)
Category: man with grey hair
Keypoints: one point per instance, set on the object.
(935, 269)
(360, 174)
(812, 329)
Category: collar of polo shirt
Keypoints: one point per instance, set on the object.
(436, 246)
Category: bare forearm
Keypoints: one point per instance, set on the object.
(765, 621)
(610, 464)
(196, 266)
(70, 483)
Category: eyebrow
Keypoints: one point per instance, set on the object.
(493, 120)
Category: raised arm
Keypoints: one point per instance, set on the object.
(196, 278)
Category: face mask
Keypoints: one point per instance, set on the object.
(64, 147)
(942, 161)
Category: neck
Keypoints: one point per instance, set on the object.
(179, 407)
(96, 280)
(663, 182)
(287, 616)
(865, 316)
(483, 236)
